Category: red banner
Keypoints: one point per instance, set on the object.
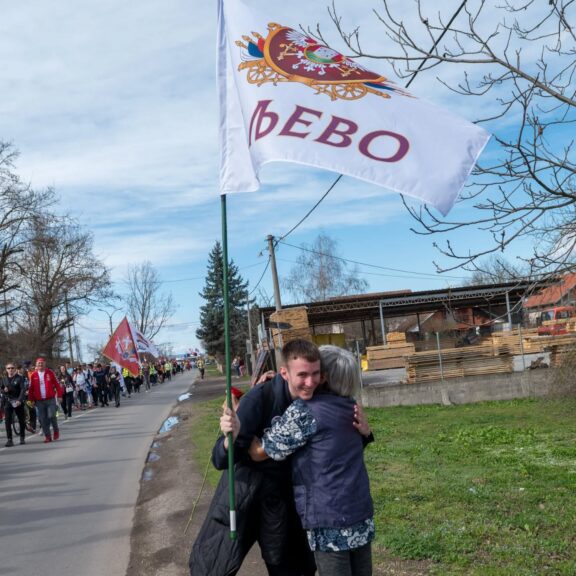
(121, 348)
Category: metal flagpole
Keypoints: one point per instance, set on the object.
(232, 492)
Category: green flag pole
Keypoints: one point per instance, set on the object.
(232, 492)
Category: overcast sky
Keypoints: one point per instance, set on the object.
(113, 103)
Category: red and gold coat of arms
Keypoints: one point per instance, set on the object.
(287, 55)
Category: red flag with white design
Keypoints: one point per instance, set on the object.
(121, 348)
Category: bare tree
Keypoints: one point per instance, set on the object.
(320, 273)
(148, 308)
(18, 206)
(494, 269)
(61, 278)
(517, 59)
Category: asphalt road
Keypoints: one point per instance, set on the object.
(66, 508)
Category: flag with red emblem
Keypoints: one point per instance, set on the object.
(285, 96)
(121, 348)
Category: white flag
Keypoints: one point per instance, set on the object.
(286, 97)
(143, 344)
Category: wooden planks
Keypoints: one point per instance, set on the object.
(385, 357)
(458, 363)
(297, 318)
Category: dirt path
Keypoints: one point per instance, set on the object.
(171, 484)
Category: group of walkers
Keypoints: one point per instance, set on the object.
(36, 397)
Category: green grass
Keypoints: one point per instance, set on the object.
(205, 430)
(481, 489)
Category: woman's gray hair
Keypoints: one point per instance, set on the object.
(340, 369)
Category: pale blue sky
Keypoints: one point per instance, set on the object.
(114, 104)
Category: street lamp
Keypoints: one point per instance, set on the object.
(110, 316)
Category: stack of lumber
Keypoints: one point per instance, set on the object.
(297, 319)
(563, 354)
(517, 341)
(390, 356)
(396, 339)
(538, 344)
(432, 344)
(458, 363)
(562, 348)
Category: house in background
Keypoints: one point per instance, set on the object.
(561, 293)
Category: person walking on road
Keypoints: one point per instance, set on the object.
(14, 396)
(146, 375)
(100, 385)
(45, 390)
(67, 385)
(200, 366)
(114, 382)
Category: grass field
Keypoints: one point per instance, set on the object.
(483, 489)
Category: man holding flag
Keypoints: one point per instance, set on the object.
(266, 501)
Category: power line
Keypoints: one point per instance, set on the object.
(365, 273)
(415, 73)
(421, 274)
(311, 210)
(261, 277)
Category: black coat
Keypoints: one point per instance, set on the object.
(265, 508)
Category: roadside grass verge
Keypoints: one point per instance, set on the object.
(481, 489)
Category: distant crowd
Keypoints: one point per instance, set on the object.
(32, 399)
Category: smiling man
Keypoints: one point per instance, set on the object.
(264, 499)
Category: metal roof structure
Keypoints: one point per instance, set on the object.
(401, 303)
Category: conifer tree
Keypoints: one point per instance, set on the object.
(211, 331)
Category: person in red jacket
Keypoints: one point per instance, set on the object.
(45, 391)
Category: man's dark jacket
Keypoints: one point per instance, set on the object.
(264, 497)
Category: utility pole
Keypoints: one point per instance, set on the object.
(277, 301)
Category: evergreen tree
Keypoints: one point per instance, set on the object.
(211, 331)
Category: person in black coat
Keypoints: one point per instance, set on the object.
(264, 496)
(14, 396)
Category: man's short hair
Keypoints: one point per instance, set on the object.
(340, 369)
(300, 348)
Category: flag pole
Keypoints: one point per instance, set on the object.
(232, 493)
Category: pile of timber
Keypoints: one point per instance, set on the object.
(458, 363)
(396, 338)
(432, 343)
(517, 342)
(296, 325)
(538, 344)
(562, 349)
(390, 356)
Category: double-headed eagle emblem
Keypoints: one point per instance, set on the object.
(287, 55)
